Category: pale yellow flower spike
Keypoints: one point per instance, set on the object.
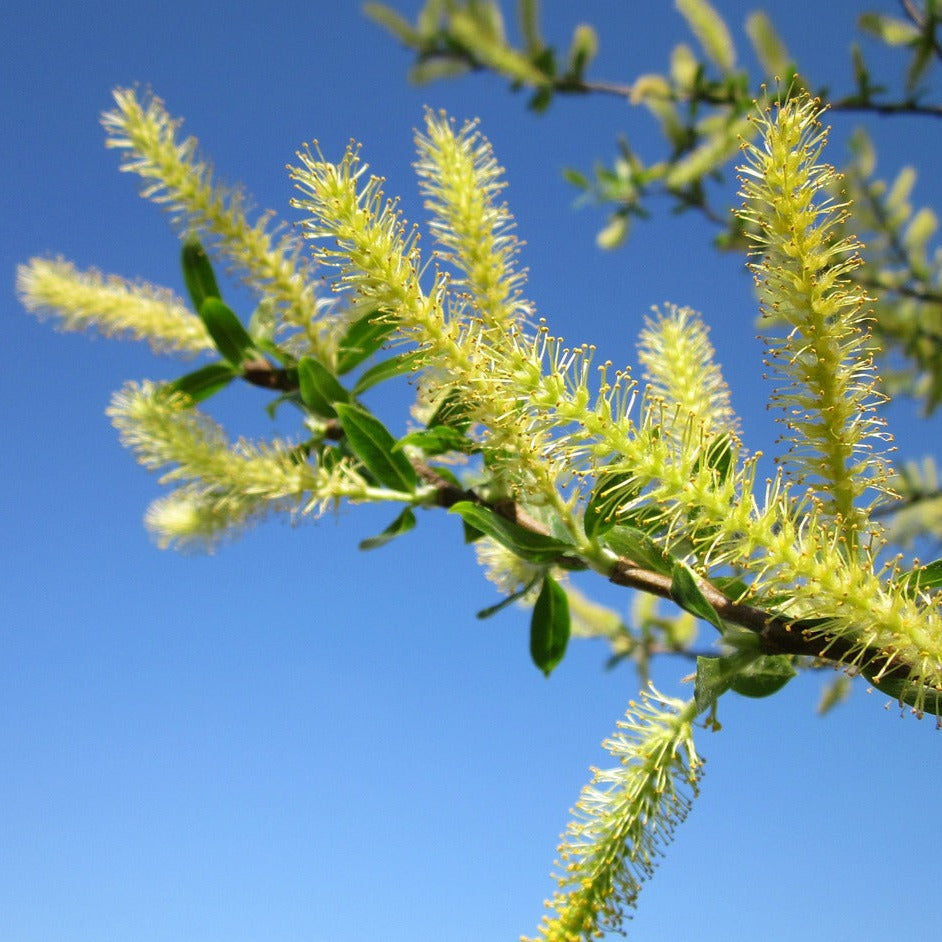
(269, 260)
(830, 387)
(194, 518)
(680, 370)
(461, 181)
(624, 819)
(163, 428)
(84, 299)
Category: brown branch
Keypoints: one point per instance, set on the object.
(778, 635)
(261, 373)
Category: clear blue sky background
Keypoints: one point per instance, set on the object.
(292, 740)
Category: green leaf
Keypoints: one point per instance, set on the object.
(731, 586)
(451, 411)
(534, 547)
(293, 398)
(438, 441)
(892, 30)
(387, 369)
(686, 593)
(401, 28)
(574, 177)
(320, 389)
(541, 99)
(922, 579)
(718, 457)
(363, 338)
(492, 610)
(640, 549)
(198, 273)
(713, 680)
(836, 692)
(447, 474)
(373, 445)
(923, 698)
(402, 524)
(612, 490)
(763, 676)
(230, 337)
(549, 626)
(202, 383)
(748, 674)
(469, 533)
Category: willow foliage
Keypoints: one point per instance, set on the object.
(567, 464)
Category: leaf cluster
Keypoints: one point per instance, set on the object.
(551, 466)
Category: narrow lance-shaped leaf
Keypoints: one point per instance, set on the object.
(320, 389)
(438, 440)
(612, 490)
(401, 28)
(198, 274)
(387, 369)
(508, 600)
(402, 524)
(763, 676)
(687, 594)
(639, 548)
(549, 626)
(749, 674)
(363, 338)
(374, 446)
(534, 547)
(204, 382)
(451, 412)
(230, 337)
(922, 579)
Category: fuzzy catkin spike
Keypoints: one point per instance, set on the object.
(195, 518)
(625, 818)
(680, 369)
(81, 300)
(175, 177)
(164, 429)
(461, 181)
(521, 389)
(825, 363)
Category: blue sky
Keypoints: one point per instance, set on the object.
(292, 740)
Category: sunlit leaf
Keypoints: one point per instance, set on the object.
(202, 383)
(198, 275)
(526, 544)
(387, 369)
(687, 594)
(549, 626)
(402, 524)
(373, 445)
(230, 337)
(363, 338)
(640, 549)
(320, 389)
